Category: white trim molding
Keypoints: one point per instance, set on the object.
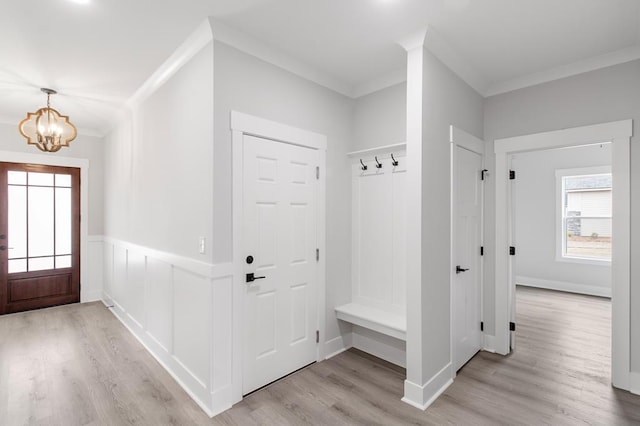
(242, 124)
(591, 64)
(619, 134)
(422, 396)
(568, 287)
(180, 311)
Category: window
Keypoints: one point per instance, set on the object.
(585, 219)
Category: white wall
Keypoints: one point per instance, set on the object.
(158, 201)
(380, 118)
(536, 211)
(246, 84)
(600, 96)
(158, 166)
(437, 99)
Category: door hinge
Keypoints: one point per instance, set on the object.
(512, 251)
(512, 326)
(317, 172)
(317, 254)
(482, 251)
(317, 336)
(481, 325)
(512, 174)
(482, 173)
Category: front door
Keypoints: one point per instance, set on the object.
(39, 236)
(466, 285)
(280, 307)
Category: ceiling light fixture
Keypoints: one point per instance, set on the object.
(47, 128)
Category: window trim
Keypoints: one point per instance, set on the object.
(560, 173)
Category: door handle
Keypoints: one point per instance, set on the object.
(251, 277)
(459, 269)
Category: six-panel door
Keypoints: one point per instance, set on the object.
(280, 310)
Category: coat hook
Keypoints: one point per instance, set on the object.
(364, 166)
(394, 162)
(378, 165)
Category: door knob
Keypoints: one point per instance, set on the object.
(459, 269)
(251, 277)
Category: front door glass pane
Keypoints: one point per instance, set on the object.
(40, 215)
(40, 219)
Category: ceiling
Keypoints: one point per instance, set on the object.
(99, 53)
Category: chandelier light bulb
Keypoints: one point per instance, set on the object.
(46, 128)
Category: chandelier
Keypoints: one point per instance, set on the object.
(46, 128)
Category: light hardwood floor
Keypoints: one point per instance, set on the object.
(78, 365)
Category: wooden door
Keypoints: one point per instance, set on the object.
(280, 306)
(468, 233)
(39, 236)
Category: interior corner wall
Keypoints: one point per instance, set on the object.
(249, 85)
(158, 166)
(380, 118)
(608, 94)
(447, 100)
(536, 213)
(84, 147)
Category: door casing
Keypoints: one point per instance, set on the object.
(619, 134)
(244, 124)
(83, 165)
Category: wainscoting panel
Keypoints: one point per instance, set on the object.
(159, 298)
(180, 310)
(192, 323)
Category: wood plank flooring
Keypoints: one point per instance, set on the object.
(77, 365)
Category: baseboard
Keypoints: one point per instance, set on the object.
(170, 364)
(423, 396)
(337, 345)
(634, 379)
(385, 347)
(590, 290)
(489, 343)
(93, 296)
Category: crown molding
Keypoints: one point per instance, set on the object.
(387, 80)
(591, 64)
(267, 53)
(442, 50)
(198, 39)
(429, 39)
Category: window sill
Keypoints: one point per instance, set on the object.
(583, 260)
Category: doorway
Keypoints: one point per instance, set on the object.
(467, 207)
(280, 301)
(278, 249)
(618, 133)
(40, 239)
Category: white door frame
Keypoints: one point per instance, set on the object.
(83, 165)
(244, 124)
(619, 134)
(462, 139)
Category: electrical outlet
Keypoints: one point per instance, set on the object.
(202, 244)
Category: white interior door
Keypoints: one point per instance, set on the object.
(467, 337)
(280, 307)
